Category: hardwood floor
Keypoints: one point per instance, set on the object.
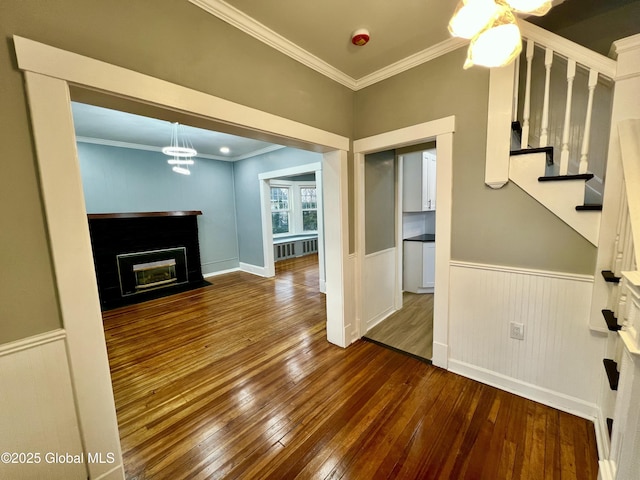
(410, 329)
(237, 380)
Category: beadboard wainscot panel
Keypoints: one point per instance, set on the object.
(379, 286)
(37, 397)
(351, 324)
(559, 361)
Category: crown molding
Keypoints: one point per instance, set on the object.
(149, 148)
(411, 61)
(259, 31)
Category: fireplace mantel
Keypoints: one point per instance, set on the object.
(115, 235)
(179, 213)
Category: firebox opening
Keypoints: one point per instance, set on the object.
(145, 271)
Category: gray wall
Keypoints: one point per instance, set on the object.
(126, 180)
(248, 196)
(502, 227)
(380, 201)
(168, 39)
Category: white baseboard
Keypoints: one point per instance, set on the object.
(440, 356)
(323, 286)
(379, 318)
(221, 272)
(254, 269)
(568, 404)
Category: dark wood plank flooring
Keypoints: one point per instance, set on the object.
(237, 380)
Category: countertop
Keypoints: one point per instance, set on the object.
(425, 237)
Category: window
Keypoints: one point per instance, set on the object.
(309, 204)
(280, 210)
(294, 207)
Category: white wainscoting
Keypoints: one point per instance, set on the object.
(379, 286)
(351, 322)
(559, 362)
(37, 405)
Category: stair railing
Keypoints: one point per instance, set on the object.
(599, 68)
(531, 100)
(624, 302)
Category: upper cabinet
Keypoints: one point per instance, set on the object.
(419, 181)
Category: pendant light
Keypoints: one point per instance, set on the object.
(180, 149)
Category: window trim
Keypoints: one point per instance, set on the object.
(295, 206)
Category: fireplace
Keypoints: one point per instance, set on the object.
(145, 255)
(141, 272)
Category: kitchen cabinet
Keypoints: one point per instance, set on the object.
(419, 272)
(419, 182)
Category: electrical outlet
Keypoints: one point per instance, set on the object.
(517, 330)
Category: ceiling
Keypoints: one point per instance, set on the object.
(317, 33)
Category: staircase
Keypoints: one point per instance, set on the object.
(537, 140)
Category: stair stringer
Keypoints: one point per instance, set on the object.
(561, 198)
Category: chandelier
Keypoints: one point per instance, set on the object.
(492, 28)
(181, 150)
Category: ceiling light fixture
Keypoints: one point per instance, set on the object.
(180, 149)
(182, 170)
(492, 28)
(224, 149)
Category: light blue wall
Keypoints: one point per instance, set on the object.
(247, 188)
(125, 180)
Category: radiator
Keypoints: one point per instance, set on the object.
(295, 248)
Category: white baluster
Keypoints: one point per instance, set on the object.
(516, 85)
(544, 128)
(526, 113)
(564, 154)
(584, 154)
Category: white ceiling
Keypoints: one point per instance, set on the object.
(111, 127)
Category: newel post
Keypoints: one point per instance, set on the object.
(501, 87)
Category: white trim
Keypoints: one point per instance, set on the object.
(602, 434)
(379, 253)
(439, 49)
(264, 179)
(221, 272)
(48, 72)
(149, 148)
(496, 172)
(606, 470)
(405, 136)
(569, 49)
(255, 269)
(115, 473)
(538, 394)
(291, 171)
(78, 69)
(524, 271)
(31, 342)
(259, 31)
(380, 317)
(442, 131)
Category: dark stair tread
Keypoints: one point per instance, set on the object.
(610, 277)
(525, 151)
(589, 207)
(557, 178)
(612, 321)
(610, 426)
(611, 367)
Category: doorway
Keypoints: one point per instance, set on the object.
(400, 206)
(48, 73)
(371, 268)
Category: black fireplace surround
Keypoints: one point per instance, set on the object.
(114, 236)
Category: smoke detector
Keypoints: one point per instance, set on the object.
(360, 37)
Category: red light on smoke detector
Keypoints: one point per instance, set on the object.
(360, 37)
